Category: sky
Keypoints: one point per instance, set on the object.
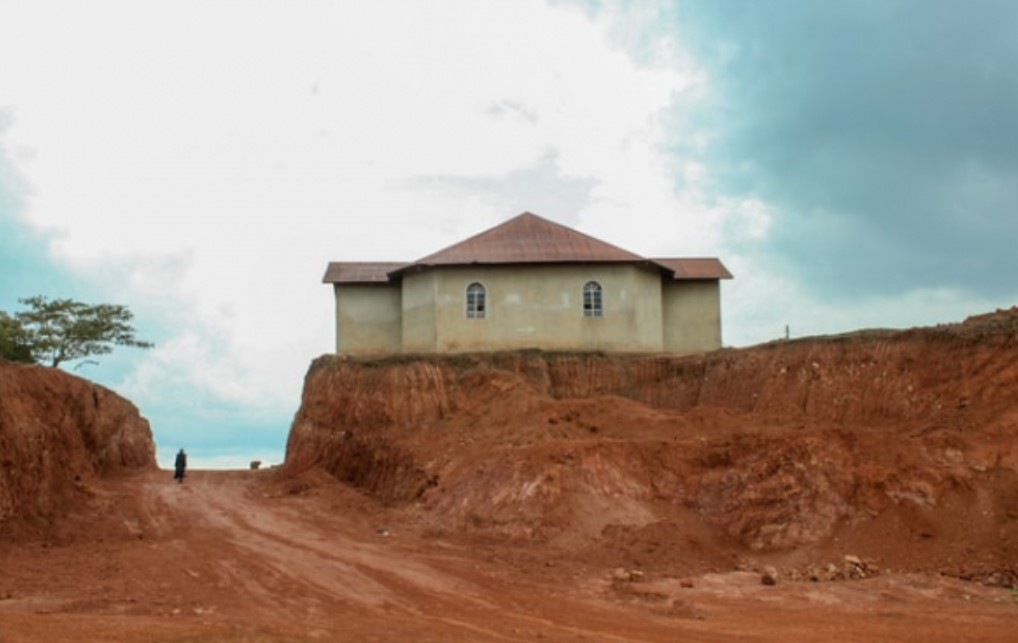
(854, 164)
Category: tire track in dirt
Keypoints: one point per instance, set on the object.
(276, 548)
(313, 568)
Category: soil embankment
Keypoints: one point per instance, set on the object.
(58, 435)
(898, 450)
(854, 488)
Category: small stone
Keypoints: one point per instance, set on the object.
(769, 576)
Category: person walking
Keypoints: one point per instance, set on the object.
(179, 466)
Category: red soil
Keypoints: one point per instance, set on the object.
(872, 477)
(248, 556)
(58, 435)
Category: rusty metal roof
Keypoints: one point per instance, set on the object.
(695, 268)
(359, 272)
(528, 238)
(525, 239)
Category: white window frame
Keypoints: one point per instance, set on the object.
(476, 301)
(593, 299)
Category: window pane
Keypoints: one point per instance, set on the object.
(475, 301)
(592, 300)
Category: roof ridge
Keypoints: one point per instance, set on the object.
(527, 238)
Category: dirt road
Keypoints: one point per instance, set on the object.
(242, 556)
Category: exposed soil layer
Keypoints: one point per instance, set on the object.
(897, 448)
(59, 434)
(853, 488)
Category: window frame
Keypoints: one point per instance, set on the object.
(476, 301)
(593, 299)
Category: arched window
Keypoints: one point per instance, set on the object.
(475, 301)
(593, 304)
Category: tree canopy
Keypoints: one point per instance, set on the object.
(60, 330)
(13, 340)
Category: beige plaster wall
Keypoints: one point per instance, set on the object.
(368, 319)
(538, 306)
(528, 307)
(419, 331)
(692, 316)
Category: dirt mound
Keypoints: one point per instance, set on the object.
(531, 496)
(895, 446)
(58, 433)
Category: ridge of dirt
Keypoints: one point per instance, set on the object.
(852, 488)
(59, 434)
(896, 446)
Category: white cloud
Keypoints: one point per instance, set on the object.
(205, 159)
(215, 155)
(762, 301)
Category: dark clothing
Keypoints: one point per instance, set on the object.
(179, 466)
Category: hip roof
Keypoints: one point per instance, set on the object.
(525, 239)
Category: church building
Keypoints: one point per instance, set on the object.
(528, 283)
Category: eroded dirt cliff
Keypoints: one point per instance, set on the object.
(58, 434)
(530, 496)
(894, 447)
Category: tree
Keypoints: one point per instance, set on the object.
(63, 329)
(14, 340)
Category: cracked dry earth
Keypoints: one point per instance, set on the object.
(251, 556)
